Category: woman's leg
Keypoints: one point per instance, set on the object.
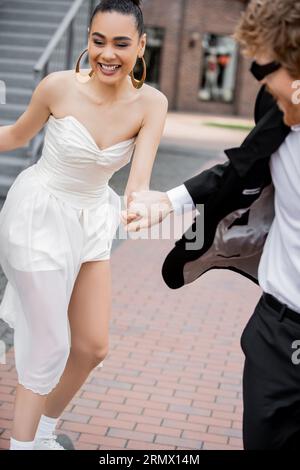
(28, 410)
(41, 345)
(89, 316)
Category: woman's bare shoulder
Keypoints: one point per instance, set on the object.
(150, 93)
(56, 83)
(154, 100)
(58, 76)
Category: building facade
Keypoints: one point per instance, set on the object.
(193, 59)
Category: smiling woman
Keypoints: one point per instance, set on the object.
(60, 216)
(118, 53)
(119, 41)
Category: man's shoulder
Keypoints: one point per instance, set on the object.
(264, 102)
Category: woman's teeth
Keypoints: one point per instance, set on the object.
(109, 68)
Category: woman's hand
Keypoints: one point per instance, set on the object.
(127, 215)
(145, 209)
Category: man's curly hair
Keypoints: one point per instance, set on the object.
(272, 26)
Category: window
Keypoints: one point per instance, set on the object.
(155, 40)
(219, 68)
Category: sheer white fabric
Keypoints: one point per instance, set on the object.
(58, 213)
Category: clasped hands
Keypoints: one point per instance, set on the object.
(144, 209)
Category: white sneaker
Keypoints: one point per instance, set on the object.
(48, 444)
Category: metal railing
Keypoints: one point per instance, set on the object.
(62, 51)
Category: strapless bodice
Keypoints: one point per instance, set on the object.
(73, 167)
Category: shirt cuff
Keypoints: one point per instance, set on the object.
(181, 199)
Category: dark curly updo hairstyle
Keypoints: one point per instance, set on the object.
(126, 7)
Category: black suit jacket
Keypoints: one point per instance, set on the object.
(238, 205)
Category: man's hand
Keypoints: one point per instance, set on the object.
(146, 208)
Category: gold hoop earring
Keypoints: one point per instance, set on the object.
(79, 77)
(139, 83)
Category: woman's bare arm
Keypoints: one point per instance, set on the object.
(33, 119)
(8, 139)
(147, 143)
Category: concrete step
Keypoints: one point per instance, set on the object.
(12, 79)
(12, 65)
(5, 122)
(38, 2)
(45, 6)
(5, 184)
(31, 39)
(18, 95)
(34, 15)
(11, 165)
(19, 153)
(20, 52)
(12, 111)
(25, 39)
(42, 27)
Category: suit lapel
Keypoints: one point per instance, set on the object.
(262, 142)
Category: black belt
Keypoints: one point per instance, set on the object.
(280, 308)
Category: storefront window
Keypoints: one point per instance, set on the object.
(155, 40)
(219, 68)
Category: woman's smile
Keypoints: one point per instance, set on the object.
(108, 70)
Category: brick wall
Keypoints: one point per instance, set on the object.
(166, 14)
(181, 66)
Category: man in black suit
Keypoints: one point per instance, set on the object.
(252, 225)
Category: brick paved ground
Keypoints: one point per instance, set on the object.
(172, 379)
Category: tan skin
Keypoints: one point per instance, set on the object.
(112, 110)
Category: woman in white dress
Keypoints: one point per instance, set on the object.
(60, 215)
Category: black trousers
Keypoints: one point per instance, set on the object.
(271, 378)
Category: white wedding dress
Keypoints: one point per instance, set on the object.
(58, 213)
